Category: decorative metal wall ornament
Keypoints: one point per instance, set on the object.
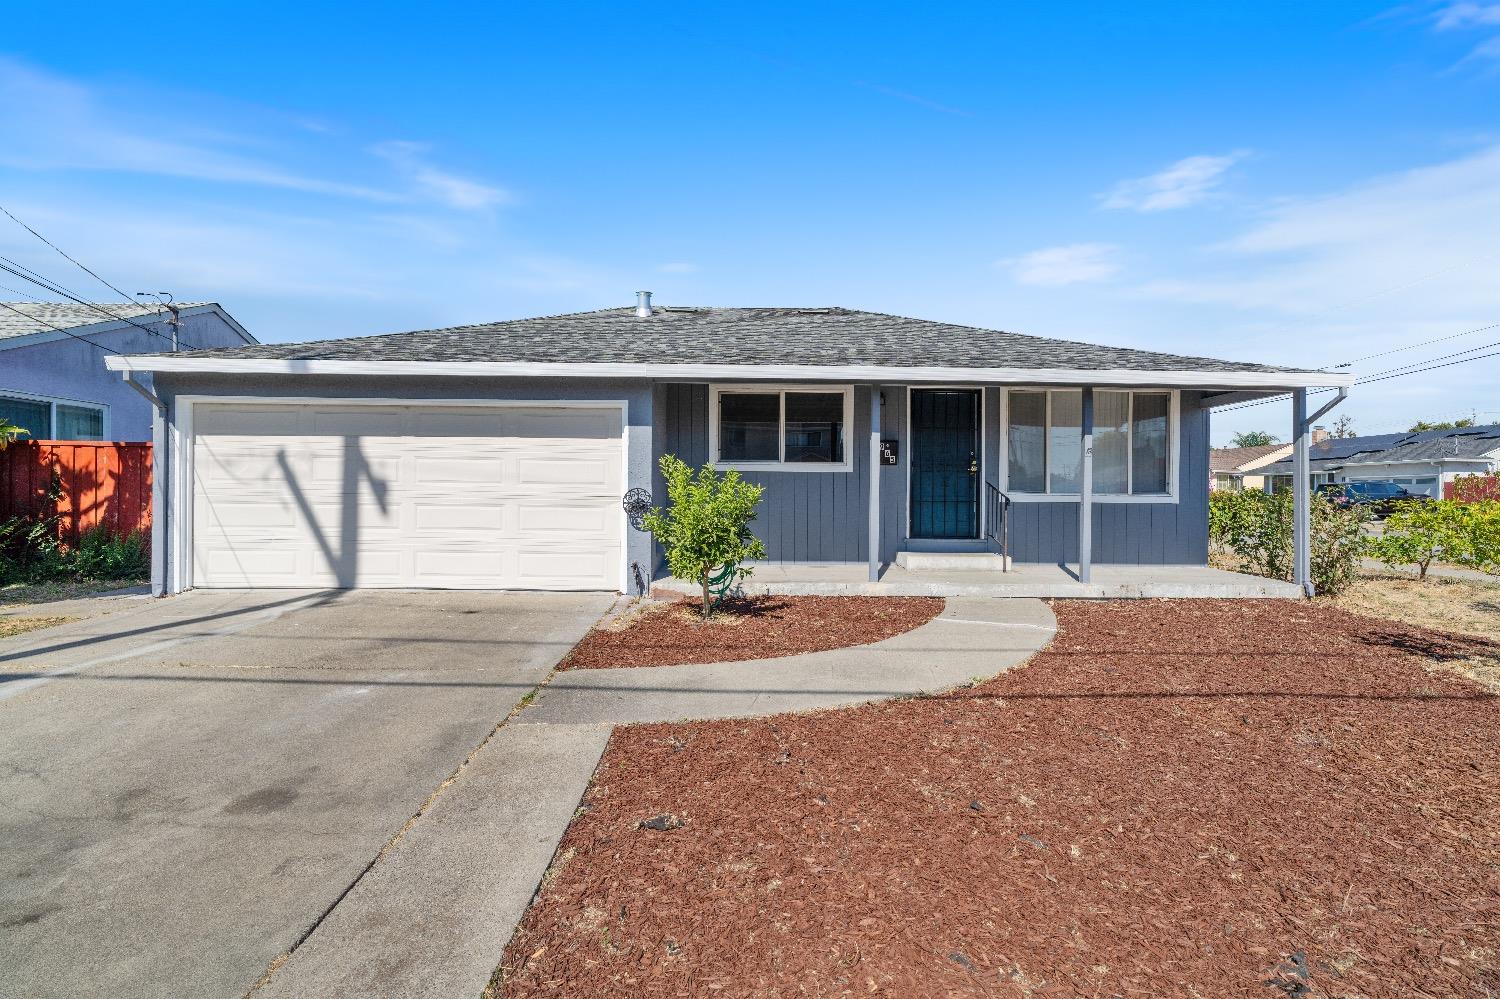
(637, 503)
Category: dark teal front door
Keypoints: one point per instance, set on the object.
(945, 463)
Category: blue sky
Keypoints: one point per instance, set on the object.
(1284, 182)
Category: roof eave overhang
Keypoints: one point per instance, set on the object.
(728, 372)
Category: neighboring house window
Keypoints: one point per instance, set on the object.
(776, 426)
(54, 419)
(1133, 442)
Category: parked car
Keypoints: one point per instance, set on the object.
(1380, 497)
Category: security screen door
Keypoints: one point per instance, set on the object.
(945, 463)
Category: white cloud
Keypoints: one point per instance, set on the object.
(410, 159)
(1467, 15)
(1055, 266)
(1392, 261)
(1485, 51)
(1187, 182)
(51, 123)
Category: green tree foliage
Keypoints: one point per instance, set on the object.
(1257, 528)
(1254, 438)
(1421, 425)
(9, 433)
(1419, 534)
(705, 530)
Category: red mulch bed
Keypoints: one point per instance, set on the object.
(675, 634)
(1177, 798)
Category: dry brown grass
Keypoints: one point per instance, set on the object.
(16, 594)
(11, 626)
(1457, 606)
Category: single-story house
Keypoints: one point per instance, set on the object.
(500, 455)
(1422, 461)
(1230, 468)
(53, 381)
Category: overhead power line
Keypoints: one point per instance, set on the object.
(59, 289)
(1450, 364)
(1424, 343)
(79, 264)
(27, 274)
(1400, 371)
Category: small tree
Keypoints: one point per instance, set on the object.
(1343, 428)
(1485, 519)
(706, 529)
(1419, 534)
(1254, 438)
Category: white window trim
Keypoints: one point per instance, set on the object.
(715, 392)
(1174, 447)
(53, 402)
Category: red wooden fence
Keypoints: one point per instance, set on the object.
(1473, 488)
(103, 482)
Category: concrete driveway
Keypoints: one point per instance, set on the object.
(188, 785)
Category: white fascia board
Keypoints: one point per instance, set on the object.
(731, 372)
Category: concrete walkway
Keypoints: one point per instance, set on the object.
(971, 638)
(433, 915)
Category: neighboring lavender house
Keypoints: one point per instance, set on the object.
(53, 380)
(498, 455)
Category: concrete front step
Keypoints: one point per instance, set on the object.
(949, 561)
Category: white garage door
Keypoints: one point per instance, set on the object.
(490, 497)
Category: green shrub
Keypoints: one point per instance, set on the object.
(705, 530)
(1257, 527)
(102, 555)
(31, 549)
(1420, 533)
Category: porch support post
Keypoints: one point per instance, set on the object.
(1301, 493)
(874, 526)
(1086, 491)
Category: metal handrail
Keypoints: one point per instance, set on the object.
(997, 523)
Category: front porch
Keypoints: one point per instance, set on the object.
(1023, 580)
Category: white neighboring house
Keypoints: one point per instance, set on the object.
(1423, 462)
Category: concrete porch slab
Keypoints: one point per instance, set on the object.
(1024, 580)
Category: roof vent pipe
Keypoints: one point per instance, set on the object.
(643, 304)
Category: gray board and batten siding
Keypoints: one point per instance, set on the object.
(823, 517)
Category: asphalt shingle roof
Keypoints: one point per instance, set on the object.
(1425, 445)
(41, 317)
(680, 335)
(1229, 459)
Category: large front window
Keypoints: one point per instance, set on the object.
(1132, 442)
(53, 419)
(772, 426)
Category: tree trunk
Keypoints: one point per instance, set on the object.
(707, 607)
